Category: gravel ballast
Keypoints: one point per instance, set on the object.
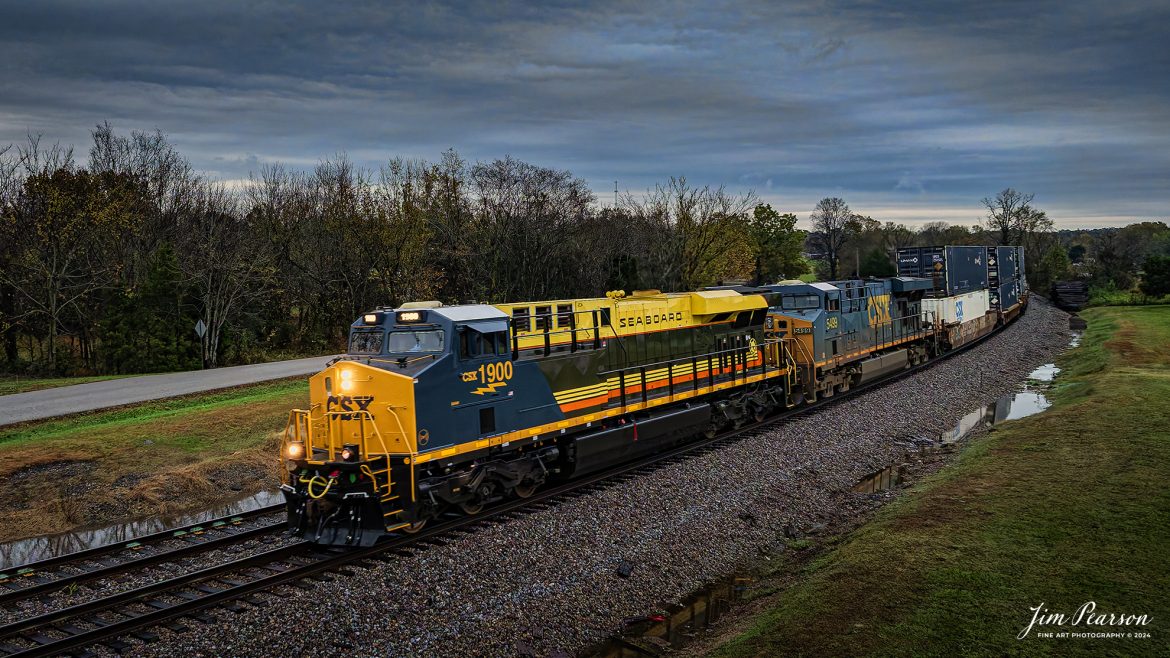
(547, 582)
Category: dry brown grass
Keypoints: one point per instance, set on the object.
(63, 475)
(34, 506)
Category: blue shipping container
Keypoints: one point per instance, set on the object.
(1009, 294)
(922, 262)
(966, 269)
(1005, 262)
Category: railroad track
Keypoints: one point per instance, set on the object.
(187, 597)
(73, 569)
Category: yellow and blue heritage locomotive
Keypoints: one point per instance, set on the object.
(447, 408)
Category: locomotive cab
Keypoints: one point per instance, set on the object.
(350, 459)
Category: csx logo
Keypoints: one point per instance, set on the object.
(348, 403)
(879, 310)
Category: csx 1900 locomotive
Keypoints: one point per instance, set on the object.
(447, 408)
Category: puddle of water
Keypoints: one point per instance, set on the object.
(660, 633)
(1045, 373)
(1012, 406)
(40, 548)
(883, 480)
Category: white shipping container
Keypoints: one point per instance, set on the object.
(958, 309)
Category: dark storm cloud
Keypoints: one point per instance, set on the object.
(908, 110)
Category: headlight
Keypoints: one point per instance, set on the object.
(346, 375)
(350, 452)
(295, 450)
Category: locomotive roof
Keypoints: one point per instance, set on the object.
(467, 312)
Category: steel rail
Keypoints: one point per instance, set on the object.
(192, 548)
(153, 537)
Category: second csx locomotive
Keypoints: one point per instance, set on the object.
(447, 408)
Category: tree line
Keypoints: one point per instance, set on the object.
(108, 263)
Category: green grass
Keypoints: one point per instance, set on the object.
(183, 453)
(1110, 296)
(1065, 507)
(163, 417)
(10, 384)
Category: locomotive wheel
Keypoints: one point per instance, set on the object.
(711, 431)
(759, 414)
(414, 527)
(471, 508)
(524, 490)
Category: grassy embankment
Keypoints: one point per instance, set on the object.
(154, 458)
(1069, 506)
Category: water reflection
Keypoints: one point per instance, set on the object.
(1012, 406)
(1045, 373)
(40, 548)
(657, 634)
(887, 478)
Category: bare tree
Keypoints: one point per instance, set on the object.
(221, 257)
(10, 183)
(699, 235)
(522, 214)
(171, 187)
(62, 221)
(833, 226)
(1011, 215)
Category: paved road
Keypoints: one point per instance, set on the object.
(65, 400)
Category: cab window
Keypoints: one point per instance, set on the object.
(366, 342)
(416, 341)
(474, 344)
(798, 302)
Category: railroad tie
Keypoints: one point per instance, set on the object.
(146, 636)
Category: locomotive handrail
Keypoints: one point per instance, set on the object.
(547, 332)
(895, 336)
(682, 359)
(713, 359)
(401, 427)
(362, 416)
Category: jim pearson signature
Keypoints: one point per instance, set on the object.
(1085, 615)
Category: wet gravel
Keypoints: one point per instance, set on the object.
(548, 582)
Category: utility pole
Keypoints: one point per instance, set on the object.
(615, 195)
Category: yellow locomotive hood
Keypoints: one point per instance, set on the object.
(357, 403)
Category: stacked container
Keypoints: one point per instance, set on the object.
(954, 270)
(956, 309)
(1008, 284)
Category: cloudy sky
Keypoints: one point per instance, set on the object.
(911, 111)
